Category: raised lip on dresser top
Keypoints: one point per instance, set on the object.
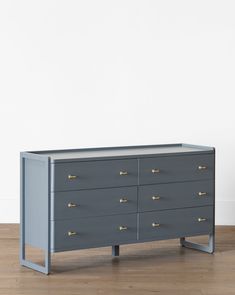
(130, 152)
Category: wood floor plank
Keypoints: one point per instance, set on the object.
(150, 268)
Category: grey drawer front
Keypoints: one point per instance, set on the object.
(175, 223)
(176, 195)
(94, 174)
(176, 168)
(94, 231)
(97, 202)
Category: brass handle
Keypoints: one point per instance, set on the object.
(156, 198)
(154, 171)
(122, 227)
(72, 205)
(200, 219)
(72, 233)
(122, 173)
(201, 167)
(123, 200)
(201, 194)
(71, 177)
(155, 224)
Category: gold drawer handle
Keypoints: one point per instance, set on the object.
(155, 224)
(123, 173)
(154, 171)
(200, 219)
(156, 198)
(122, 227)
(72, 233)
(72, 205)
(201, 167)
(201, 194)
(71, 177)
(123, 200)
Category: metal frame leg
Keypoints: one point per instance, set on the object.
(208, 249)
(115, 250)
(27, 263)
(23, 261)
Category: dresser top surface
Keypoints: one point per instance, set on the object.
(123, 152)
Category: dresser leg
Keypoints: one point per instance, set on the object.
(208, 249)
(27, 263)
(115, 250)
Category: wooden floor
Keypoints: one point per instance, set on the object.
(149, 268)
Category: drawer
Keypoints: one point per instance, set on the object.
(176, 168)
(176, 195)
(169, 224)
(91, 232)
(97, 202)
(94, 174)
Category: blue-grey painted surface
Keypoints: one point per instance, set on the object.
(94, 174)
(123, 152)
(176, 195)
(94, 232)
(176, 168)
(36, 203)
(95, 202)
(115, 250)
(175, 223)
(88, 205)
(35, 208)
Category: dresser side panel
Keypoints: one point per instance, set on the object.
(36, 202)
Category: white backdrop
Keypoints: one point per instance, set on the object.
(102, 73)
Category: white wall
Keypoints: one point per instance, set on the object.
(104, 73)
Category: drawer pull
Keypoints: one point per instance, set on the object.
(200, 219)
(201, 167)
(72, 233)
(122, 227)
(154, 171)
(156, 198)
(201, 194)
(123, 173)
(155, 224)
(123, 200)
(71, 177)
(72, 205)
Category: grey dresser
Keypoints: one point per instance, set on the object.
(84, 198)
